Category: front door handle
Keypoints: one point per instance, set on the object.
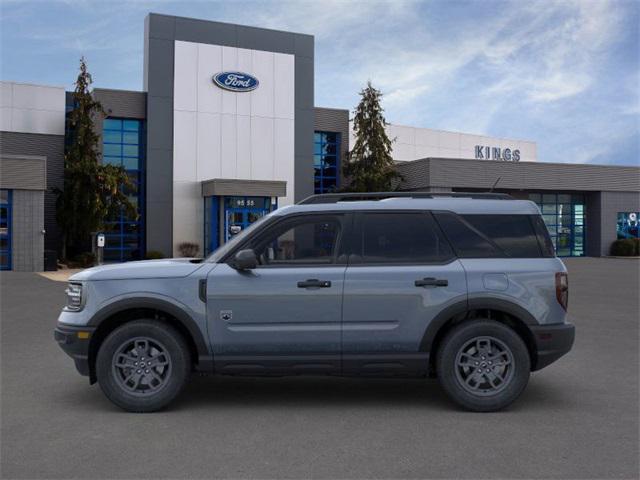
(314, 283)
(432, 282)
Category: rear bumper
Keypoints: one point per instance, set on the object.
(552, 342)
(74, 345)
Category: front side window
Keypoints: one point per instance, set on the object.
(411, 238)
(308, 241)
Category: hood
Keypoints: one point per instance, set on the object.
(165, 268)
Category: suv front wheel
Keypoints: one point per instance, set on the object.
(483, 365)
(143, 365)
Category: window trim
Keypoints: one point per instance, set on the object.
(357, 229)
(343, 219)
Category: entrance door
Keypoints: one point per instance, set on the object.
(5, 229)
(284, 315)
(402, 274)
(240, 212)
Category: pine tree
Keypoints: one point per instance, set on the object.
(92, 191)
(369, 166)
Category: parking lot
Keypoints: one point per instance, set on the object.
(578, 418)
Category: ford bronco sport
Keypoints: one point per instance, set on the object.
(464, 287)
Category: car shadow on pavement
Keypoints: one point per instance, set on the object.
(205, 392)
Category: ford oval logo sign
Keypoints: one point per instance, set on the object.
(236, 81)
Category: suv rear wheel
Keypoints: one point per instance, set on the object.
(483, 365)
(143, 365)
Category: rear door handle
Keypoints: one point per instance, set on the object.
(314, 283)
(432, 282)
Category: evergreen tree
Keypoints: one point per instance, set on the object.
(92, 191)
(369, 166)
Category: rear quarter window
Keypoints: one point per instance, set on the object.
(491, 235)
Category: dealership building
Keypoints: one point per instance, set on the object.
(225, 130)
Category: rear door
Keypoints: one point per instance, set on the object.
(401, 274)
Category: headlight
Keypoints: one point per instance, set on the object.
(74, 297)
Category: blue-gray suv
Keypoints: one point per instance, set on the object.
(464, 287)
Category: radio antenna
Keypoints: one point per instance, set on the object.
(494, 184)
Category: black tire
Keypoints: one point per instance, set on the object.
(463, 353)
(161, 384)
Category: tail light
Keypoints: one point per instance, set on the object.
(562, 289)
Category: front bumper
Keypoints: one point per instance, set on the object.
(552, 342)
(75, 343)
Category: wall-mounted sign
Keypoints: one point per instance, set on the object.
(236, 81)
(495, 153)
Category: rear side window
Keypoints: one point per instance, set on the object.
(486, 236)
(412, 238)
(513, 234)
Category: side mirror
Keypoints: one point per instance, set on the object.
(245, 260)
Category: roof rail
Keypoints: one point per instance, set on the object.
(354, 197)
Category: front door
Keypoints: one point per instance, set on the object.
(283, 316)
(401, 275)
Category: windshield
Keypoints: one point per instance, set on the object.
(216, 255)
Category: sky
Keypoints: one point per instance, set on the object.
(565, 74)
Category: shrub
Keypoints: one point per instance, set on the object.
(188, 249)
(154, 255)
(628, 247)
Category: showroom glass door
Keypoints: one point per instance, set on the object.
(565, 216)
(240, 212)
(5, 229)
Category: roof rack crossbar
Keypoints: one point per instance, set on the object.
(354, 197)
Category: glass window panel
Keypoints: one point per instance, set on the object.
(112, 160)
(549, 208)
(130, 151)
(467, 242)
(549, 198)
(130, 163)
(402, 238)
(112, 241)
(112, 124)
(114, 150)
(317, 160)
(4, 243)
(535, 197)
(317, 149)
(311, 241)
(329, 172)
(564, 198)
(329, 149)
(330, 137)
(130, 241)
(131, 125)
(131, 138)
(317, 186)
(514, 234)
(109, 136)
(317, 137)
(130, 228)
(329, 184)
(112, 255)
(111, 227)
(330, 160)
(577, 198)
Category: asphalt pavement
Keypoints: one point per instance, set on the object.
(578, 418)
